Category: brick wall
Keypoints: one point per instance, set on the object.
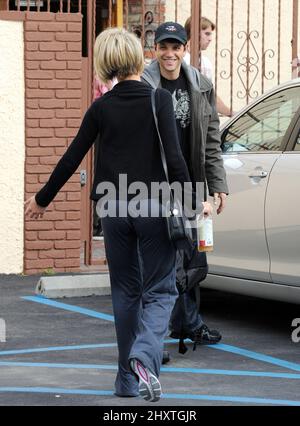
(53, 115)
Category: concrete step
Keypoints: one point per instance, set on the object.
(56, 287)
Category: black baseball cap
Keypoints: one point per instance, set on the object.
(170, 31)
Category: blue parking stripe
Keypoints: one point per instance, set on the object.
(72, 308)
(163, 369)
(257, 356)
(220, 346)
(57, 348)
(240, 399)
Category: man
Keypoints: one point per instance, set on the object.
(207, 29)
(198, 130)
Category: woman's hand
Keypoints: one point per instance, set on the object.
(33, 210)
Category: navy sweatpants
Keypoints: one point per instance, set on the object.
(141, 262)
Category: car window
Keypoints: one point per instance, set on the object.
(263, 127)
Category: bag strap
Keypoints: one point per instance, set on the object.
(161, 147)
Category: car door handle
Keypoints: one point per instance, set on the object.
(259, 174)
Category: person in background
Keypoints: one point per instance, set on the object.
(206, 68)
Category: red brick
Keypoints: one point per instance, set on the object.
(40, 56)
(38, 226)
(67, 263)
(42, 94)
(52, 103)
(32, 142)
(74, 84)
(40, 113)
(52, 84)
(31, 271)
(52, 235)
(74, 47)
(39, 263)
(67, 244)
(53, 46)
(53, 142)
(65, 132)
(68, 75)
(68, 56)
(53, 65)
(74, 65)
(39, 245)
(61, 196)
(72, 187)
(52, 254)
(32, 160)
(39, 133)
(40, 75)
(40, 152)
(32, 84)
(70, 17)
(54, 215)
(73, 235)
(38, 36)
(68, 113)
(73, 196)
(74, 103)
(54, 26)
(31, 255)
(68, 36)
(31, 123)
(52, 122)
(74, 27)
(53, 160)
(67, 225)
(32, 65)
(73, 215)
(31, 26)
(38, 170)
(31, 46)
(72, 253)
(45, 16)
(74, 122)
(68, 94)
(60, 151)
(32, 103)
(69, 206)
(31, 179)
(31, 236)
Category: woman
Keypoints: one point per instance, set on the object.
(139, 253)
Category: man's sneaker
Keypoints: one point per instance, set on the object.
(149, 386)
(201, 336)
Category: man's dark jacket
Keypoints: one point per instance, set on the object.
(206, 162)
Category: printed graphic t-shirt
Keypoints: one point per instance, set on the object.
(182, 109)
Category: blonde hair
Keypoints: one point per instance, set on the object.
(117, 53)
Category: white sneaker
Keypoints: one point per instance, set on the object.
(149, 386)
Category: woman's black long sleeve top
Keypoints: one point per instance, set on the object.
(128, 142)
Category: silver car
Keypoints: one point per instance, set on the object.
(257, 237)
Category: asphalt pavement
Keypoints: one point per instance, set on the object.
(63, 352)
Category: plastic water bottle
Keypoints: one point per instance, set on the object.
(205, 234)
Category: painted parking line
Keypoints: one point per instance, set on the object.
(67, 307)
(162, 370)
(58, 348)
(227, 348)
(239, 399)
